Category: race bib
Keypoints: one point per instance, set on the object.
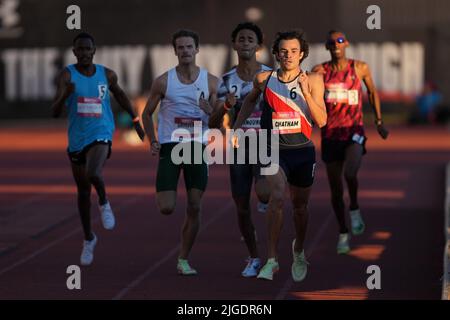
(102, 89)
(187, 125)
(89, 107)
(253, 122)
(200, 94)
(286, 122)
(236, 90)
(353, 97)
(336, 95)
(341, 95)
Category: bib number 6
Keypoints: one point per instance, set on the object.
(293, 94)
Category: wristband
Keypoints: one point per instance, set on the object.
(136, 119)
(378, 122)
(226, 106)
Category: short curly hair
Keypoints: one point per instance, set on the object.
(185, 33)
(289, 35)
(83, 35)
(248, 26)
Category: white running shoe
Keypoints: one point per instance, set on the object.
(343, 246)
(252, 267)
(262, 207)
(357, 222)
(299, 267)
(107, 214)
(87, 255)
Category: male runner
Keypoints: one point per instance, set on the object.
(293, 100)
(247, 39)
(343, 138)
(83, 88)
(186, 93)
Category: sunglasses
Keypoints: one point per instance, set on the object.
(338, 40)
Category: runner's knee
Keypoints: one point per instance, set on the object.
(242, 202)
(262, 190)
(337, 201)
(300, 209)
(277, 199)
(166, 207)
(243, 213)
(263, 196)
(94, 175)
(84, 193)
(350, 174)
(193, 207)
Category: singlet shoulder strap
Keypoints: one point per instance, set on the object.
(351, 63)
(268, 78)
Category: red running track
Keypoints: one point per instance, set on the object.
(401, 197)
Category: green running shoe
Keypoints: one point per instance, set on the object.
(343, 246)
(299, 266)
(185, 269)
(269, 269)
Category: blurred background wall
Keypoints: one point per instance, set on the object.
(409, 57)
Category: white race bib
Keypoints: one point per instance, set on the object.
(341, 95)
(336, 95)
(187, 125)
(253, 122)
(89, 107)
(236, 90)
(353, 97)
(200, 94)
(286, 122)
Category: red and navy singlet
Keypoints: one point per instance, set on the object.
(343, 100)
(286, 112)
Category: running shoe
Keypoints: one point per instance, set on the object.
(299, 265)
(87, 254)
(252, 267)
(343, 246)
(184, 268)
(269, 269)
(357, 222)
(107, 214)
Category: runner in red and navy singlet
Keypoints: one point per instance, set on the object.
(293, 103)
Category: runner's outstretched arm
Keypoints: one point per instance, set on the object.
(64, 90)
(374, 100)
(313, 90)
(250, 101)
(156, 94)
(208, 105)
(123, 101)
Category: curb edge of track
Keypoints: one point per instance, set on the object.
(446, 274)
